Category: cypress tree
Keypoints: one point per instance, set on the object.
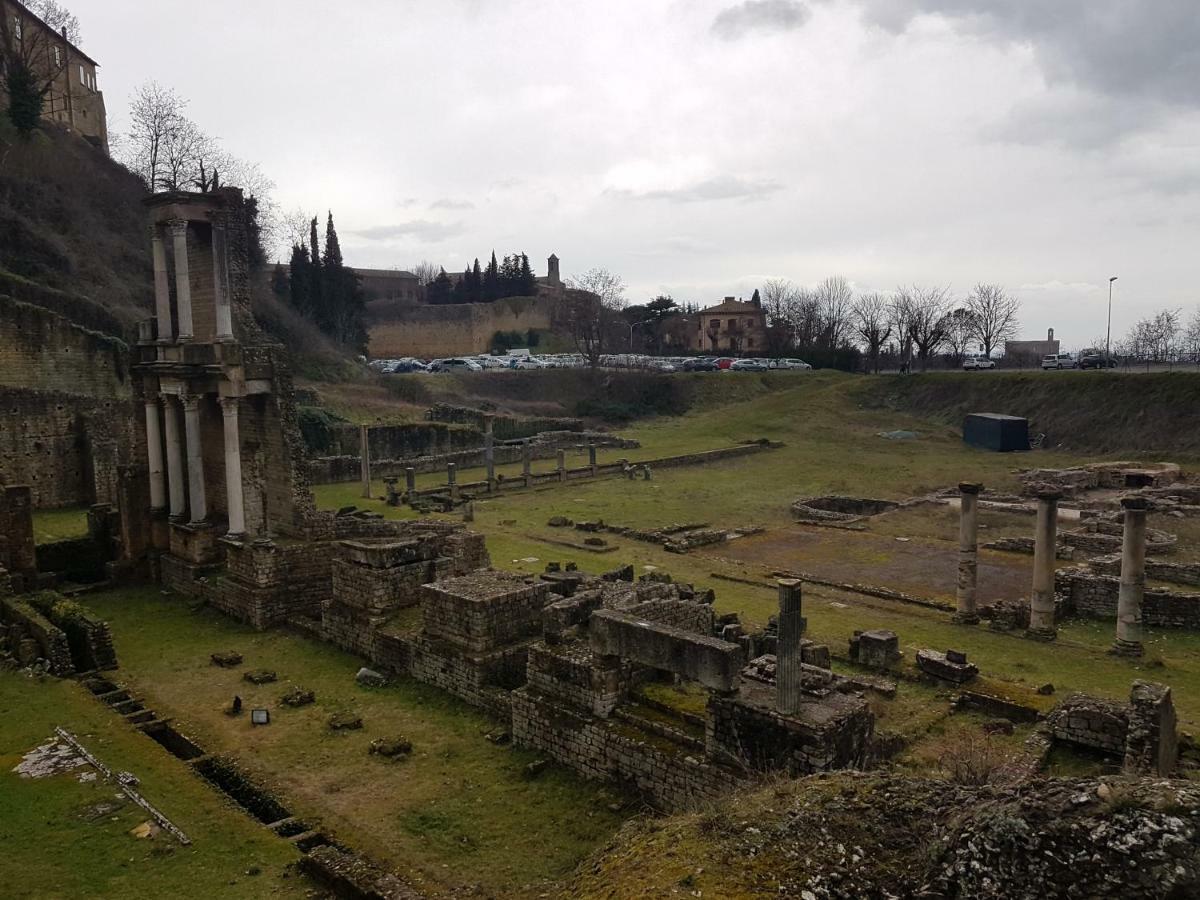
(316, 299)
(491, 280)
(301, 280)
(333, 248)
(528, 280)
(476, 292)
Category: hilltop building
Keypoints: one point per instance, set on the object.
(1031, 351)
(735, 326)
(74, 100)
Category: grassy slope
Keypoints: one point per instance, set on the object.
(52, 850)
(1084, 411)
(458, 812)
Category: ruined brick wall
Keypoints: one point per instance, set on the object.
(41, 350)
(504, 428)
(1095, 596)
(18, 553)
(484, 625)
(24, 623)
(671, 778)
(1152, 742)
(1090, 722)
(481, 680)
(686, 615)
(1158, 569)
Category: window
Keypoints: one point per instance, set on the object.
(58, 57)
(17, 27)
(82, 75)
(733, 323)
(714, 324)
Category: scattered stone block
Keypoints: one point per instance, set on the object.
(499, 736)
(392, 748)
(940, 665)
(345, 722)
(227, 659)
(298, 697)
(1046, 689)
(370, 678)
(260, 676)
(559, 522)
(535, 768)
(877, 649)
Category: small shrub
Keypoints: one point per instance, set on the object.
(969, 757)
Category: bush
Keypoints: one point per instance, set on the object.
(316, 426)
(970, 757)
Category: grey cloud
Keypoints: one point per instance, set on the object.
(759, 15)
(448, 203)
(420, 229)
(1144, 49)
(719, 187)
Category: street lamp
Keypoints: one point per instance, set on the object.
(633, 325)
(1108, 335)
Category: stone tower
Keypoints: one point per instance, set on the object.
(552, 275)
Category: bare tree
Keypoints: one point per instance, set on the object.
(779, 301)
(425, 272)
(873, 322)
(58, 17)
(921, 315)
(155, 118)
(835, 302)
(591, 307)
(1191, 338)
(960, 332)
(994, 315)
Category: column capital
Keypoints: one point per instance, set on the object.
(230, 405)
(1135, 504)
(970, 487)
(191, 402)
(177, 226)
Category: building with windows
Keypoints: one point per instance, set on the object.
(732, 326)
(74, 99)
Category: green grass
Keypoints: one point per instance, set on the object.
(50, 525)
(459, 811)
(53, 849)
(832, 446)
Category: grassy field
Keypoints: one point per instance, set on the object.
(832, 446)
(51, 525)
(458, 812)
(58, 844)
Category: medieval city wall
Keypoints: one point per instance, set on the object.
(455, 329)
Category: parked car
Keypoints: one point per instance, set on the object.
(749, 365)
(405, 366)
(455, 364)
(699, 364)
(724, 362)
(526, 362)
(978, 362)
(788, 364)
(1059, 361)
(1096, 359)
(490, 362)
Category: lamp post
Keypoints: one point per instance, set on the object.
(1108, 335)
(633, 325)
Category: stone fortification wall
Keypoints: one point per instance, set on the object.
(456, 329)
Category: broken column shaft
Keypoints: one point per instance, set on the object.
(1041, 602)
(526, 458)
(489, 450)
(592, 458)
(788, 663)
(452, 480)
(968, 552)
(562, 465)
(364, 459)
(1133, 578)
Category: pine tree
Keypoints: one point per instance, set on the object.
(333, 248)
(528, 280)
(491, 280)
(301, 280)
(510, 276)
(440, 289)
(755, 299)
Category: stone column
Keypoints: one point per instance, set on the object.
(221, 284)
(154, 453)
(452, 480)
(197, 502)
(234, 499)
(562, 465)
(968, 552)
(1041, 603)
(1133, 578)
(592, 458)
(410, 481)
(788, 664)
(489, 451)
(364, 459)
(175, 471)
(526, 460)
(162, 286)
(183, 286)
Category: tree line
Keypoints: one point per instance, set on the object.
(1163, 338)
(511, 278)
(320, 287)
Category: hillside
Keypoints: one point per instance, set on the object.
(858, 836)
(71, 221)
(1083, 411)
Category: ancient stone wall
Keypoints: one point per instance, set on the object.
(1095, 596)
(1091, 722)
(505, 428)
(26, 627)
(457, 329)
(670, 777)
(484, 610)
(17, 550)
(1152, 742)
(1158, 569)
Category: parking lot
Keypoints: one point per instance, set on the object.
(620, 361)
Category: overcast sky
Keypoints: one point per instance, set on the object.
(699, 147)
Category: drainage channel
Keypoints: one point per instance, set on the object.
(220, 772)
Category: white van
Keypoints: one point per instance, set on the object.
(1059, 361)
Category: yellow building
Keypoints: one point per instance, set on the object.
(74, 99)
(733, 326)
